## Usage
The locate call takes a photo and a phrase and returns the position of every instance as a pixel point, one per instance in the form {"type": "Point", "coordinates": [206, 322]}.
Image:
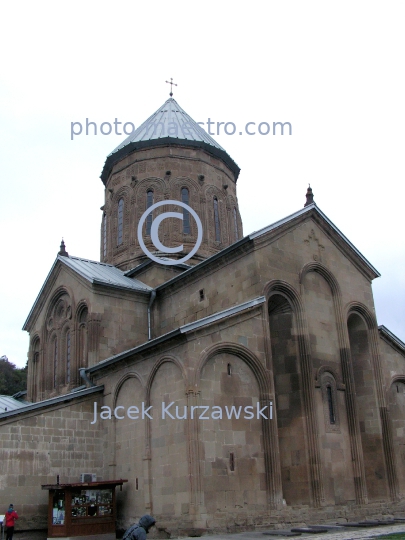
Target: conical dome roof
{"type": "Point", "coordinates": [169, 125]}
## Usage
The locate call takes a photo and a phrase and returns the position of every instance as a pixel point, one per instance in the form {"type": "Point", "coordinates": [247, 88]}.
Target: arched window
{"type": "Point", "coordinates": [35, 351]}
{"type": "Point", "coordinates": [149, 202]}
{"type": "Point", "coordinates": [120, 221]}
{"type": "Point", "coordinates": [105, 234]}
{"type": "Point", "coordinates": [235, 224]}
{"type": "Point", "coordinates": [55, 362]}
{"type": "Point", "coordinates": [186, 213]}
{"type": "Point", "coordinates": [68, 358]}
{"type": "Point", "coordinates": [81, 342]}
{"type": "Point", "coordinates": [216, 220]}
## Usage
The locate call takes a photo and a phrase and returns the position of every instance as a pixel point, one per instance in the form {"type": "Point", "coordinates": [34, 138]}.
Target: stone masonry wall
{"type": "Point", "coordinates": [36, 446]}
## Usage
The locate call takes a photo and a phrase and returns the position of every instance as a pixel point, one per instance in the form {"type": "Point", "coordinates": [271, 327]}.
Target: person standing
{"type": "Point", "coordinates": [11, 516]}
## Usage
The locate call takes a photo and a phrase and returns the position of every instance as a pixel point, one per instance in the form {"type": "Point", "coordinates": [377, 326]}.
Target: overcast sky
{"type": "Point", "coordinates": [334, 70]}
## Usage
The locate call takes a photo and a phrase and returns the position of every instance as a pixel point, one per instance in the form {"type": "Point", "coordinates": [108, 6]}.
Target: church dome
{"type": "Point", "coordinates": [169, 157]}
{"type": "Point", "coordinates": [170, 124]}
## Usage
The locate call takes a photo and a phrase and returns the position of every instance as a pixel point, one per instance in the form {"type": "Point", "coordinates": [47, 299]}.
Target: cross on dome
{"type": "Point", "coordinates": [171, 85]}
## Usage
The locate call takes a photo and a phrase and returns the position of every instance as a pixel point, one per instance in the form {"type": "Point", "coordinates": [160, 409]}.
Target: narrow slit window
{"type": "Point", "coordinates": [332, 418]}
{"type": "Point", "coordinates": [202, 295]}
{"type": "Point", "coordinates": [231, 461]}
{"type": "Point", "coordinates": [216, 221]}
{"type": "Point", "coordinates": [120, 221]}
{"type": "Point", "coordinates": [105, 235]}
{"type": "Point", "coordinates": [149, 203]}
{"type": "Point", "coordinates": [68, 357]}
{"type": "Point", "coordinates": [235, 224]}
{"type": "Point", "coordinates": [186, 213]}
{"type": "Point", "coordinates": [136, 484]}
{"type": "Point", "coordinates": [229, 369]}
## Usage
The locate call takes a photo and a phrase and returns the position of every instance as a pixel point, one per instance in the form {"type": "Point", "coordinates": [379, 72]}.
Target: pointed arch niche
{"type": "Point", "coordinates": [367, 406]}
{"type": "Point", "coordinates": [396, 402]}
{"type": "Point", "coordinates": [321, 293]}
{"type": "Point", "coordinates": [129, 445]}
{"type": "Point", "coordinates": [34, 370]}
{"type": "Point", "coordinates": [288, 390]}
{"type": "Point", "coordinates": [232, 450]}
{"type": "Point", "coordinates": [58, 322]}
{"type": "Point", "coordinates": [169, 471]}
{"type": "Point", "coordinates": [82, 337]}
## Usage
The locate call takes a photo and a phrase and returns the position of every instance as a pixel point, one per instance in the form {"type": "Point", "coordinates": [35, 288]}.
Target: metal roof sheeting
{"type": "Point", "coordinates": [95, 272]}
{"type": "Point", "coordinates": [27, 407]}
{"type": "Point", "coordinates": [8, 403]}
{"type": "Point", "coordinates": [170, 120]}
{"type": "Point", "coordinates": [102, 273]}
{"type": "Point", "coordinates": [169, 125]}
{"type": "Point", "coordinates": [190, 327]}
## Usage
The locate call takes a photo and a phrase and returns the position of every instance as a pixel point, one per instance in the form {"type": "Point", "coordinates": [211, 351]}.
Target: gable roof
{"type": "Point", "coordinates": [317, 212]}
{"type": "Point", "coordinates": [391, 339]}
{"type": "Point", "coordinates": [282, 226]}
{"type": "Point", "coordinates": [96, 273]}
{"type": "Point", "coordinates": [103, 274]}
{"type": "Point", "coordinates": [170, 124]}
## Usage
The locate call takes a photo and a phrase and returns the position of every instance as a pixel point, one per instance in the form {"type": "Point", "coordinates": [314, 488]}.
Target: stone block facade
{"type": "Point", "coordinates": [38, 445]}
{"type": "Point", "coordinates": [308, 345]}
{"type": "Point", "coordinates": [281, 321]}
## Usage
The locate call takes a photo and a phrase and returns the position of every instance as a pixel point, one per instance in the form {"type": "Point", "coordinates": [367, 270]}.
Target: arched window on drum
{"type": "Point", "coordinates": [149, 203]}
{"type": "Point", "coordinates": [235, 224]}
{"type": "Point", "coordinates": [186, 213]}
{"type": "Point", "coordinates": [216, 221]}
{"type": "Point", "coordinates": [120, 222]}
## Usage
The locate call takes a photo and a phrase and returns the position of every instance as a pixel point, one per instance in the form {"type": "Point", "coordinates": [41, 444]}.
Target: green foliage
{"type": "Point", "coordinates": [12, 379]}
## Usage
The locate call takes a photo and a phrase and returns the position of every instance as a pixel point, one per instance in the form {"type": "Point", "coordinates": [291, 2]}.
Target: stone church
{"type": "Point", "coordinates": [245, 386]}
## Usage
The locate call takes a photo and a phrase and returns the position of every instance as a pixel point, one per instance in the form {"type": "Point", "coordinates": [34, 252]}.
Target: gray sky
{"type": "Point", "coordinates": [333, 70]}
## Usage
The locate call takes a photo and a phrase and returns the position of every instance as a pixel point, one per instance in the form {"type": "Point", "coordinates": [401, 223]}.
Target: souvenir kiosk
{"type": "Point", "coordinates": [82, 510]}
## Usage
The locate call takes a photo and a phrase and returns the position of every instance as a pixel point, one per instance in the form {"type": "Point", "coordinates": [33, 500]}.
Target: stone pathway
{"type": "Point", "coordinates": [30, 535]}
{"type": "Point", "coordinates": [345, 534]}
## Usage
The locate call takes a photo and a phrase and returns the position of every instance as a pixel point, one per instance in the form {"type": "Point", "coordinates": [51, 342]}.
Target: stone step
{"type": "Point", "coordinates": [326, 526]}
{"type": "Point", "coordinates": [310, 530]}
{"type": "Point", "coordinates": [281, 532]}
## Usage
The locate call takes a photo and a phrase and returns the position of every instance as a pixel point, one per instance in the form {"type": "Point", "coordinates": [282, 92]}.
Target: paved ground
{"type": "Point", "coordinates": [30, 535]}
{"type": "Point", "coordinates": [346, 534]}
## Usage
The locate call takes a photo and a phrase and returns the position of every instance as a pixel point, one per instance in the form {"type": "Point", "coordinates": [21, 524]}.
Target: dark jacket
{"type": "Point", "coordinates": [139, 530]}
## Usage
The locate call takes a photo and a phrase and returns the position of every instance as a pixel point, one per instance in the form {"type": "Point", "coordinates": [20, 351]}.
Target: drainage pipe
{"type": "Point", "coordinates": [152, 299]}
{"type": "Point", "coordinates": [83, 375]}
